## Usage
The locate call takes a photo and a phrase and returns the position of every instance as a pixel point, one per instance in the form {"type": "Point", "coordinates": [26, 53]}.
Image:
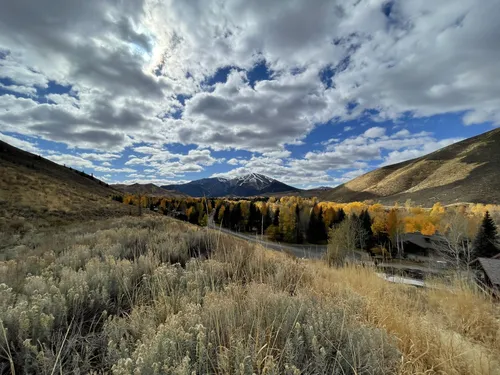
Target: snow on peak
{"type": "Point", "coordinates": [253, 179]}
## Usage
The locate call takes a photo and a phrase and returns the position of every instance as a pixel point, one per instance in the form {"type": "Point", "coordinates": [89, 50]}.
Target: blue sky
{"type": "Point", "coordinates": [167, 91]}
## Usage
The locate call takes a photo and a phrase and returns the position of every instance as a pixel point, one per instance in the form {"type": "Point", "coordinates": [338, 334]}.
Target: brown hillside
{"type": "Point", "coordinates": [148, 189]}
{"type": "Point", "coordinates": [467, 171]}
{"type": "Point", "coordinates": [37, 191]}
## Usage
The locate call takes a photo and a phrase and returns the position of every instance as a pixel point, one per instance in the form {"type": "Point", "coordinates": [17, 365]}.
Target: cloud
{"type": "Point", "coordinates": [261, 118]}
{"type": "Point", "coordinates": [375, 132]}
{"type": "Point", "coordinates": [100, 157]}
{"type": "Point", "coordinates": [411, 153]}
{"type": "Point", "coordinates": [70, 161]}
{"type": "Point", "coordinates": [201, 157]}
{"type": "Point", "coordinates": [19, 143]}
{"type": "Point", "coordinates": [108, 76]}
{"type": "Point", "coordinates": [113, 170]}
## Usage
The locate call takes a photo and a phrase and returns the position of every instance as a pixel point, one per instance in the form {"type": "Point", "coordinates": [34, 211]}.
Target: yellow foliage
{"type": "Point", "coordinates": [378, 225]}
{"type": "Point", "coordinates": [428, 229]}
{"type": "Point", "coordinates": [437, 209]}
{"type": "Point", "coordinates": [374, 208]}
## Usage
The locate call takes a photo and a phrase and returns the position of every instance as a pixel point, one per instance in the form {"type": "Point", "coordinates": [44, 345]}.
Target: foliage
{"type": "Point", "coordinates": [155, 295]}
{"type": "Point", "coordinates": [295, 219]}
{"type": "Point", "coordinates": [485, 241]}
{"type": "Point", "coordinates": [317, 231]}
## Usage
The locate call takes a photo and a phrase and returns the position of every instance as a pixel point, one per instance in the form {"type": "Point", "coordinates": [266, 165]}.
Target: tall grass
{"type": "Point", "coordinates": [153, 295]}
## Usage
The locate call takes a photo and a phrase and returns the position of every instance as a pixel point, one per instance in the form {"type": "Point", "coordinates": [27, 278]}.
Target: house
{"type": "Point", "coordinates": [419, 244]}
{"type": "Point", "coordinates": [487, 271]}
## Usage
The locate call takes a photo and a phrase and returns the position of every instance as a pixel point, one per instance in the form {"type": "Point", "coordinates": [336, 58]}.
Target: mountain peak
{"type": "Point", "coordinates": [246, 185]}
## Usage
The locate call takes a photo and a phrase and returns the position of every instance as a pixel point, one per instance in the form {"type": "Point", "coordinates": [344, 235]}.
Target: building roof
{"type": "Point", "coordinates": [491, 267]}
{"type": "Point", "coordinates": [425, 242]}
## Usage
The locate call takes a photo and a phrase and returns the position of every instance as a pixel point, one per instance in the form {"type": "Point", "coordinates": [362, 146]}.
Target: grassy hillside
{"type": "Point", "coordinates": [125, 296]}
{"type": "Point", "coordinates": [34, 190]}
{"type": "Point", "coordinates": [148, 189]}
{"type": "Point", "coordinates": [467, 171]}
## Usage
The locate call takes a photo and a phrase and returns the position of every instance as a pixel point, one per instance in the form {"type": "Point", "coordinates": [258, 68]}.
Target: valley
{"type": "Point", "coordinates": [116, 278]}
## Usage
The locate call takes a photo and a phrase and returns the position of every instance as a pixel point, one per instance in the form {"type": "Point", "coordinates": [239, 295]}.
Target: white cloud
{"type": "Point", "coordinates": [113, 170]}
{"type": "Point", "coordinates": [375, 132]}
{"type": "Point", "coordinates": [70, 161]}
{"type": "Point", "coordinates": [19, 143]}
{"type": "Point", "coordinates": [135, 73]}
{"type": "Point", "coordinates": [411, 153]}
{"type": "Point", "coordinates": [100, 157]}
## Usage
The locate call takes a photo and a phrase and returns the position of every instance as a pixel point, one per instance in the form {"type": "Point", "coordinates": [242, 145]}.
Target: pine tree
{"type": "Point", "coordinates": [316, 232]}
{"type": "Point", "coordinates": [311, 229]}
{"type": "Point", "coordinates": [236, 217]}
{"type": "Point", "coordinates": [226, 220]}
{"type": "Point", "coordinates": [299, 235]}
{"type": "Point", "coordinates": [339, 217]}
{"type": "Point", "coordinates": [322, 232]}
{"type": "Point", "coordinates": [484, 243]}
{"type": "Point", "coordinates": [367, 232]}
{"type": "Point", "coordinates": [254, 217]}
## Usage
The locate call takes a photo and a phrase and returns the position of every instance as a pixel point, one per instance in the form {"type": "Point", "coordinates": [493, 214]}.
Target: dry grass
{"type": "Point", "coordinates": [153, 295]}
{"type": "Point", "coordinates": [465, 171]}
{"type": "Point", "coordinates": [29, 200]}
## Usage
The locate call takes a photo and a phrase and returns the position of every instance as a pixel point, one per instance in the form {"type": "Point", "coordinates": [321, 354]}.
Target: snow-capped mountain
{"type": "Point", "coordinates": [248, 185]}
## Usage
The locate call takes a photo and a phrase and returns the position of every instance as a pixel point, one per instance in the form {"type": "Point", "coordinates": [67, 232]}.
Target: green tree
{"type": "Point", "coordinates": [254, 217]}
{"type": "Point", "coordinates": [316, 232]}
{"type": "Point", "coordinates": [236, 217]}
{"type": "Point", "coordinates": [339, 216]}
{"type": "Point", "coordinates": [485, 241]}
{"type": "Point", "coordinates": [367, 233]}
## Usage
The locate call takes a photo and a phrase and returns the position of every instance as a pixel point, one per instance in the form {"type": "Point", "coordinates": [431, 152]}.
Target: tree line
{"type": "Point", "coordinates": [462, 232]}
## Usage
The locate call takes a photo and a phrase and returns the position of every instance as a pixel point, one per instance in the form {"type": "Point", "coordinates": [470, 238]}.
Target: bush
{"type": "Point", "coordinates": [154, 295]}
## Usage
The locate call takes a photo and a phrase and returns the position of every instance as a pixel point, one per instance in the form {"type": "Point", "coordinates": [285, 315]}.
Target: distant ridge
{"type": "Point", "coordinates": [148, 189]}
{"type": "Point", "coordinates": [467, 171]}
{"type": "Point", "coordinates": [249, 185]}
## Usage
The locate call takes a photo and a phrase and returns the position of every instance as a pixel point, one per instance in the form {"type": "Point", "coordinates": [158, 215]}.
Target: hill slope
{"type": "Point", "coordinates": [467, 171]}
{"type": "Point", "coordinates": [147, 189]}
{"type": "Point", "coordinates": [33, 188]}
{"type": "Point", "coordinates": [249, 185]}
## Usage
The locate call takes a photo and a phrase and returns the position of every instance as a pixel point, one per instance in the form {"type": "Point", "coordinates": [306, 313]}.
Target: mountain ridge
{"type": "Point", "coordinates": [466, 171]}
{"type": "Point", "coordinates": [38, 191]}
{"type": "Point", "coordinates": [147, 189]}
{"type": "Point", "coordinates": [251, 184]}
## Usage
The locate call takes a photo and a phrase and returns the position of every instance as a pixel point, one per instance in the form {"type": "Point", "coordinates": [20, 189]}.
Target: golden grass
{"type": "Point", "coordinates": [105, 296]}
{"type": "Point", "coordinates": [442, 330]}
{"type": "Point", "coordinates": [31, 199]}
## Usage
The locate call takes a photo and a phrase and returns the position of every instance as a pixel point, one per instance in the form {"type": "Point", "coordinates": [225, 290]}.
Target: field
{"type": "Point", "coordinates": [154, 295]}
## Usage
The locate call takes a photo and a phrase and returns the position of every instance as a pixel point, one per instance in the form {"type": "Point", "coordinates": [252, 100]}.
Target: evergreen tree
{"type": "Point", "coordinates": [366, 234]}
{"type": "Point", "coordinates": [226, 220]}
{"type": "Point", "coordinates": [236, 217]}
{"type": "Point", "coordinates": [311, 229]}
{"type": "Point", "coordinates": [339, 217]}
{"type": "Point", "coordinates": [322, 232]}
{"type": "Point", "coordinates": [316, 231]}
{"type": "Point", "coordinates": [299, 235]}
{"type": "Point", "coordinates": [254, 218]}
{"type": "Point", "coordinates": [266, 218]}
{"type": "Point", "coordinates": [485, 241]}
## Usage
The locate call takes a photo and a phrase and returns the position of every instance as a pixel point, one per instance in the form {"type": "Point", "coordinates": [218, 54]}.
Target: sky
{"type": "Point", "coordinates": [310, 93]}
